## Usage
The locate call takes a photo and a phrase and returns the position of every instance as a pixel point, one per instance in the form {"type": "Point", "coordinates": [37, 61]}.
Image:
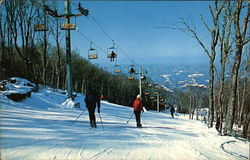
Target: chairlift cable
{"type": "Point", "coordinates": [91, 41]}
{"type": "Point", "coordinates": [101, 27]}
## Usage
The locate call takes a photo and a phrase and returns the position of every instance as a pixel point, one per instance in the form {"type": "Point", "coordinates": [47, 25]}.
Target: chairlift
{"type": "Point", "coordinates": [92, 53]}
{"type": "Point", "coordinates": [131, 77]}
{"type": "Point", "coordinates": [112, 52]}
{"type": "Point", "coordinates": [156, 91]}
{"type": "Point", "coordinates": [152, 96]}
{"type": "Point", "coordinates": [147, 92]}
{"type": "Point", "coordinates": [69, 26]}
{"type": "Point", "coordinates": [40, 27]}
{"type": "Point", "coordinates": [117, 68]}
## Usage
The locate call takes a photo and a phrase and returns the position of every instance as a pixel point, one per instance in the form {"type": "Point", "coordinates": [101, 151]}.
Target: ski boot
{"type": "Point", "coordinates": [139, 126]}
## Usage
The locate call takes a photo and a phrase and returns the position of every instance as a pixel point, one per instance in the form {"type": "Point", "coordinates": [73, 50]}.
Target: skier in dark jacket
{"type": "Point", "coordinates": [172, 110]}
{"type": "Point", "coordinates": [137, 105]}
{"type": "Point", "coordinates": [91, 99]}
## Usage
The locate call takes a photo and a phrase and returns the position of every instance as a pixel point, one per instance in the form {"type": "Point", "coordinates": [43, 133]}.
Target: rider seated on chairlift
{"type": "Point", "coordinates": [112, 57]}
{"type": "Point", "coordinates": [132, 70]}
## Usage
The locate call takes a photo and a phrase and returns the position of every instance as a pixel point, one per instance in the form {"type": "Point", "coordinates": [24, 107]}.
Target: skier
{"type": "Point", "coordinates": [172, 110]}
{"type": "Point", "coordinates": [91, 100]}
{"type": "Point", "coordinates": [137, 105]}
{"type": "Point", "coordinates": [102, 97]}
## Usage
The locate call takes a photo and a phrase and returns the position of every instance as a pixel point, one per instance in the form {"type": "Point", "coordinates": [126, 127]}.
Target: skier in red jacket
{"type": "Point", "coordinates": [137, 105]}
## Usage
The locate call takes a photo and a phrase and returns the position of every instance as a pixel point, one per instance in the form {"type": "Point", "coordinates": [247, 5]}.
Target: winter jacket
{"type": "Point", "coordinates": [137, 105]}
{"type": "Point", "coordinates": [172, 109]}
{"type": "Point", "coordinates": [91, 100]}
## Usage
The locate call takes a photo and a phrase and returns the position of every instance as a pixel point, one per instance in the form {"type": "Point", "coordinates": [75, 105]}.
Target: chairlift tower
{"type": "Point", "coordinates": [68, 50]}
{"type": "Point", "coordinates": [140, 91]}
{"type": "Point", "coordinates": [67, 27]}
{"type": "Point", "coordinates": [158, 103]}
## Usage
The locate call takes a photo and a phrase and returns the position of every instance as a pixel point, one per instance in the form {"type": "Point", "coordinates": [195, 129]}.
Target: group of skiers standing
{"type": "Point", "coordinates": [92, 99]}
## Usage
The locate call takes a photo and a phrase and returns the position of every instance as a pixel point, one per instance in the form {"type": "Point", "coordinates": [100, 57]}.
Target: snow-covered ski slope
{"type": "Point", "coordinates": [41, 128]}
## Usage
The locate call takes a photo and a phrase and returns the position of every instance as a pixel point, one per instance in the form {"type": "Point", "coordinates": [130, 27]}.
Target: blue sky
{"type": "Point", "coordinates": [133, 26]}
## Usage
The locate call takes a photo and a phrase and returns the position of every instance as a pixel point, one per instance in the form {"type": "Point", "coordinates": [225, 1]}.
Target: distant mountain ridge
{"type": "Point", "coordinates": [171, 75]}
{"type": "Point", "coordinates": [179, 76]}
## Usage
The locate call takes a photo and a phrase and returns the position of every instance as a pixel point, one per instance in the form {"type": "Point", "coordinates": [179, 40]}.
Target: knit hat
{"type": "Point", "coordinates": [138, 96]}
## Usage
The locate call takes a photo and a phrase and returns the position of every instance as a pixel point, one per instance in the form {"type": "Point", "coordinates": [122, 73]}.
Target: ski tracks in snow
{"type": "Point", "coordinates": [153, 148]}
{"type": "Point", "coordinates": [81, 151]}
{"type": "Point", "coordinates": [231, 152]}
{"type": "Point", "coordinates": [107, 150]}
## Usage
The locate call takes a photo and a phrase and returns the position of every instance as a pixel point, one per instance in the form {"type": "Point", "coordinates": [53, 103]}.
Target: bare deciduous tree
{"type": "Point", "coordinates": [241, 39]}
{"type": "Point", "coordinates": [225, 49]}
{"type": "Point", "coordinates": [214, 31]}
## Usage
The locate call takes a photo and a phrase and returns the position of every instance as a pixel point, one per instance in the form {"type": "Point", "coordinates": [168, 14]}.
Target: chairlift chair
{"type": "Point", "coordinates": [69, 26]}
{"type": "Point", "coordinates": [117, 68]}
{"type": "Point", "coordinates": [131, 77]}
{"type": "Point", "coordinates": [147, 92]}
{"type": "Point", "coordinates": [152, 96]}
{"type": "Point", "coordinates": [155, 91]}
{"type": "Point", "coordinates": [112, 52]}
{"type": "Point", "coordinates": [92, 53]}
{"type": "Point", "coordinates": [40, 27]}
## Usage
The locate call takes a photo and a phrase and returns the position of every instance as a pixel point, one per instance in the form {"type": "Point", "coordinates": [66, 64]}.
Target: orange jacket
{"type": "Point", "coordinates": [137, 105]}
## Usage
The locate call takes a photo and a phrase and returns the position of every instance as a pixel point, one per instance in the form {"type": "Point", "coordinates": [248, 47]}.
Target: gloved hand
{"type": "Point", "coordinates": [98, 110]}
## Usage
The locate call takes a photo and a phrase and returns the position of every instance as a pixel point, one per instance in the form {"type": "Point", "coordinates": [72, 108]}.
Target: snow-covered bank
{"type": "Point", "coordinates": [41, 128]}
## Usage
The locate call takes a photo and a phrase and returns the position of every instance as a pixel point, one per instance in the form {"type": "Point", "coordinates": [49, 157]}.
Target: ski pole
{"type": "Point", "coordinates": [101, 120]}
{"type": "Point", "coordinates": [142, 114]}
{"type": "Point", "coordinates": [130, 117]}
{"type": "Point", "coordinates": [78, 117]}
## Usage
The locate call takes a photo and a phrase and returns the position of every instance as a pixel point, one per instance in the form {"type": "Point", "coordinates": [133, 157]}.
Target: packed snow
{"type": "Point", "coordinates": [166, 76]}
{"type": "Point", "coordinates": [40, 127]}
{"type": "Point", "coordinates": [194, 85]}
{"type": "Point", "coordinates": [179, 72]}
{"type": "Point", "coordinates": [196, 75]}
